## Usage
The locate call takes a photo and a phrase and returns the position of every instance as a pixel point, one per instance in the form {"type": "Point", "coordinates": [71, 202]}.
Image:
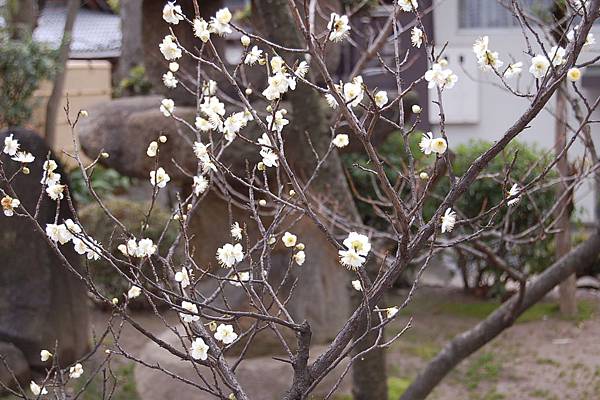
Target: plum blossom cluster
{"type": "Point", "coordinates": [440, 76]}
{"type": "Point", "coordinates": [429, 144]}
{"type": "Point", "coordinates": [70, 231]}
{"type": "Point", "coordinates": [486, 58]}
{"type": "Point", "coordinates": [356, 252]}
{"type": "Point", "coordinates": [291, 241]}
{"type": "Point", "coordinates": [140, 249]}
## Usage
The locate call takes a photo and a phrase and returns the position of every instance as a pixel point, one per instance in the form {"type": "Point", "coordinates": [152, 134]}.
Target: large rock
{"type": "Point", "coordinates": [13, 367]}
{"type": "Point", "coordinates": [125, 127]}
{"type": "Point", "coordinates": [42, 303]}
{"type": "Point", "coordinates": [263, 378]}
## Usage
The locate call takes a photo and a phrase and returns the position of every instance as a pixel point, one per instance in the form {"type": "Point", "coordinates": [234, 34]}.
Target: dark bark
{"type": "Point", "coordinates": [54, 101]}
{"type": "Point", "coordinates": [470, 341]}
{"type": "Point", "coordinates": [22, 18]}
{"type": "Point", "coordinates": [310, 118]}
{"type": "Point", "coordinates": [131, 43]}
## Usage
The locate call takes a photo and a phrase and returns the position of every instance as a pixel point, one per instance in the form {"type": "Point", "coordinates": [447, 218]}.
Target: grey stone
{"type": "Point", "coordinates": [262, 377]}
{"type": "Point", "coordinates": [42, 303]}
{"type": "Point", "coordinates": [13, 366]}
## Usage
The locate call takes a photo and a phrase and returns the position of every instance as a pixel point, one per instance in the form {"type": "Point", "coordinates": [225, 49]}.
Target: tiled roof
{"type": "Point", "coordinates": [95, 35]}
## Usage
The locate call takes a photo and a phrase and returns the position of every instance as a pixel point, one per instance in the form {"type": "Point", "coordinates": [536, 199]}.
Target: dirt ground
{"type": "Point", "coordinates": [543, 356]}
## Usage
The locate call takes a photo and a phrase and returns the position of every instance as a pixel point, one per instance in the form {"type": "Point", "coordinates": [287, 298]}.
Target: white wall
{"type": "Point", "coordinates": [497, 109]}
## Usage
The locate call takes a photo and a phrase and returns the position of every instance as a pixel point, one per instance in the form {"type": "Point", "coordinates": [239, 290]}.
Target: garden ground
{"type": "Point", "coordinates": [543, 356]}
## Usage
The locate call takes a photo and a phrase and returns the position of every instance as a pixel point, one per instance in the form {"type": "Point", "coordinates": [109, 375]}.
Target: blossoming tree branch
{"type": "Point", "coordinates": [291, 58]}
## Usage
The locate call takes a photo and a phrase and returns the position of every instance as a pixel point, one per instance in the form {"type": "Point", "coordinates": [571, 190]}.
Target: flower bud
{"type": "Point", "coordinates": [423, 175]}
{"type": "Point", "coordinates": [162, 139]}
{"type": "Point", "coordinates": [262, 202]}
{"type": "Point", "coordinates": [25, 170]}
{"type": "Point", "coordinates": [416, 109]}
{"type": "Point", "coordinates": [245, 41]}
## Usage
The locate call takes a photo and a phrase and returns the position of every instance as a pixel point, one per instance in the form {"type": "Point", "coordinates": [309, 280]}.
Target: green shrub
{"type": "Point", "coordinates": [134, 84]}
{"type": "Point", "coordinates": [23, 65]}
{"type": "Point", "coordinates": [105, 181]}
{"type": "Point", "coordinates": [482, 195]}
{"type": "Point", "coordinates": [131, 214]}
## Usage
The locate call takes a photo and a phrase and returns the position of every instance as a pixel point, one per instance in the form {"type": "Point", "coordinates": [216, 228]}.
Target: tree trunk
{"type": "Point", "coordinates": [131, 42]}
{"type": "Point", "coordinates": [568, 288]}
{"type": "Point", "coordinates": [22, 18]}
{"type": "Point", "coordinates": [310, 117]}
{"type": "Point", "coordinates": [54, 101]}
{"type": "Point", "coordinates": [472, 340]}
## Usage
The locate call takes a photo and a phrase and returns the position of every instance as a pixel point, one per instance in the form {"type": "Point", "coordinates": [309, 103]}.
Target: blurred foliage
{"type": "Point", "coordinates": [23, 65]}
{"type": "Point", "coordinates": [122, 377]}
{"type": "Point", "coordinates": [135, 84]}
{"type": "Point", "coordinates": [105, 181]}
{"type": "Point", "coordinates": [107, 278]}
{"type": "Point", "coordinates": [114, 5]}
{"type": "Point", "coordinates": [481, 196]}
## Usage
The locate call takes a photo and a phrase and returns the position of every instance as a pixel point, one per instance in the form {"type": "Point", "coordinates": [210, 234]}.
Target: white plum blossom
{"type": "Point", "coordinates": [134, 292]}
{"type": "Point", "coordinates": [76, 371]}
{"type": "Point", "coordinates": [487, 59]}
{"type": "Point", "coordinates": [430, 145]}
{"type": "Point", "coordinates": [358, 242]}
{"type": "Point", "coordinates": [37, 389]}
{"type": "Point", "coordinates": [331, 101]}
{"type": "Point", "coordinates": [167, 106]}
{"type": "Point", "coordinates": [448, 220]}
{"type": "Point", "coordinates": [381, 98]}
{"type": "Point", "coordinates": [514, 191]}
{"type": "Point", "coordinates": [230, 254]}
{"type": "Point", "coordinates": [539, 66]}
{"type": "Point", "coordinates": [45, 355]}
{"type": "Point", "coordinates": [233, 124]}
{"type": "Point", "coordinates": [441, 77]}
{"type": "Point", "coordinates": [278, 85]}
{"type": "Point", "coordinates": [390, 312]}
{"type": "Point", "coordinates": [183, 277]}
{"type": "Point", "coordinates": [199, 349]}
{"type": "Point", "coordinates": [557, 55]}
{"type": "Point", "coordinates": [143, 248]}
{"type": "Point", "coordinates": [169, 49]}
{"type": "Point", "coordinates": [159, 177]}
{"type": "Point", "coordinates": [351, 259]}
{"type": "Point", "coordinates": [357, 248]}
{"type": "Point", "coordinates": [219, 24]}
{"type": "Point", "coordinates": [11, 146]}
{"type": "Point", "coordinates": [238, 277]}
{"type": "Point", "coordinates": [253, 56]}
{"type": "Point", "coordinates": [357, 285]}
{"type": "Point", "coordinates": [589, 40]}
{"type": "Point", "coordinates": [192, 312]}
{"type": "Point", "coordinates": [277, 123]}
{"type": "Point", "coordinates": [299, 257]}
{"type": "Point", "coordinates": [341, 140]}
{"type": "Point", "coordinates": [212, 106]}
{"type": "Point", "coordinates": [236, 231]}
{"type": "Point", "coordinates": [152, 149]}
{"type": "Point", "coordinates": [173, 66]}
{"type": "Point", "coordinates": [55, 192]}
{"type": "Point", "coordinates": [339, 27]}
{"type": "Point", "coordinates": [269, 158]}
{"type": "Point", "coordinates": [416, 37]}
{"type": "Point", "coordinates": [353, 91]}
{"type": "Point", "coordinates": [225, 334]}
{"type": "Point", "coordinates": [170, 80]}
{"type": "Point", "coordinates": [245, 40]}
{"type": "Point", "coordinates": [172, 13]}
{"type": "Point", "coordinates": [49, 177]}
{"type": "Point", "coordinates": [574, 74]}
{"type": "Point", "coordinates": [200, 184]}
{"type": "Point", "coordinates": [408, 5]}
{"type": "Point", "coordinates": [289, 239]}
{"type": "Point", "coordinates": [301, 69]}
{"type": "Point", "coordinates": [513, 69]}
{"type": "Point", "coordinates": [201, 29]}
{"type": "Point", "coordinates": [58, 233]}
{"type": "Point", "coordinates": [23, 157]}
{"type": "Point", "coordinates": [277, 64]}
{"type": "Point", "coordinates": [203, 125]}
{"type": "Point", "coordinates": [9, 204]}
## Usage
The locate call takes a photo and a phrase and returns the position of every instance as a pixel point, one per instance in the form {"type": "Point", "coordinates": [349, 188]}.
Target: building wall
{"type": "Point", "coordinates": [478, 109]}
{"type": "Point", "coordinates": [87, 82]}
